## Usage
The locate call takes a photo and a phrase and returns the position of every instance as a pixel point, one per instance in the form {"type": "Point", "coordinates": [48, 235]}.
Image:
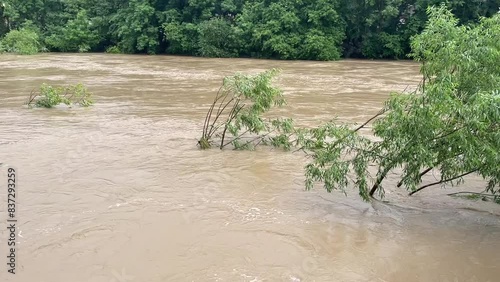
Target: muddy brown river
{"type": "Point", "coordinates": [119, 192]}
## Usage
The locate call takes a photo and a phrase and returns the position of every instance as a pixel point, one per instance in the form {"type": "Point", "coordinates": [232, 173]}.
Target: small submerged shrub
{"type": "Point", "coordinates": [237, 114]}
{"type": "Point", "coordinates": [474, 196]}
{"type": "Point", "coordinates": [113, 50]}
{"type": "Point", "coordinates": [50, 96]}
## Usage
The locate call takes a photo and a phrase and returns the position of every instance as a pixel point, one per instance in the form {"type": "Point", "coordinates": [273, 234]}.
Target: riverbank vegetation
{"type": "Point", "coordinates": [24, 41]}
{"type": "Point", "coordinates": [50, 96]}
{"type": "Point", "coordinates": [449, 125]}
{"type": "Point", "coordinates": [280, 29]}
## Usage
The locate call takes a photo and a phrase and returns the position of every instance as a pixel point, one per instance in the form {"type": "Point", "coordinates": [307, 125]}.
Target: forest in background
{"type": "Point", "coordinates": [277, 29]}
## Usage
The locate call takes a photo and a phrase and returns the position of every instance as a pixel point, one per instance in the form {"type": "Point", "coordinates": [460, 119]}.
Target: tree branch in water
{"type": "Point", "coordinates": [443, 181]}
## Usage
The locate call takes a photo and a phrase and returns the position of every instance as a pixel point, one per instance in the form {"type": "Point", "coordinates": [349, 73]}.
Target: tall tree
{"type": "Point", "coordinates": [78, 34]}
{"type": "Point", "coordinates": [135, 27]}
{"type": "Point", "coordinates": [4, 21]}
{"type": "Point", "coordinates": [288, 29]}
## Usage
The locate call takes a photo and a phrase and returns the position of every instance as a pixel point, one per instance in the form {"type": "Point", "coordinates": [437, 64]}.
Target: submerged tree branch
{"type": "Point", "coordinates": [443, 181]}
{"type": "Point", "coordinates": [234, 139]}
{"type": "Point", "coordinates": [210, 111]}
{"type": "Point", "coordinates": [381, 112]}
{"type": "Point", "coordinates": [473, 193]}
{"type": "Point", "coordinates": [214, 128]}
{"type": "Point", "coordinates": [32, 97]}
{"type": "Point", "coordinates": [232, 114]}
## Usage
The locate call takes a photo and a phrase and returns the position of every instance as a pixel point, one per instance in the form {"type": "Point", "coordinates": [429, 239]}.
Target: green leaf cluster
{"type": "Point", "coordinates": [237, 115]}
{"type": "Point", "coordinates": [281, 29]}
{"type": "Point", "coordinates": [449, 125]}
{"type": "Point", "coordinates": [135, 27]}
{"type": "Point", "coordinates": [113, 50]}
{"type": "Point", "coordinates": [292, 29]}
{"type": "Point", "coordinates": [78, 35]}
{"type": "Point", "coordinates": [50, 96]}
{"type": "Point", "coordinates": [25, 41]}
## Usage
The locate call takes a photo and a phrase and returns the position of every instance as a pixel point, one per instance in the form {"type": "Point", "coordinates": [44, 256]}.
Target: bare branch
{"type": "Point", "coordinates": [381, 112]}
{"type": "Point", "coordinates": [209, 113]}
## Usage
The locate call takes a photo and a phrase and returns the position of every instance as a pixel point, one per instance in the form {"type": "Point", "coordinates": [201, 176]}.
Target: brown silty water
{"type": "Point", "coordinates": [120, 192]}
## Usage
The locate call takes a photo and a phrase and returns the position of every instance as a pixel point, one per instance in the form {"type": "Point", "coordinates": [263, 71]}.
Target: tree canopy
{"type": "Point", "coordinates": [281, 29]}
{"type": "Point", "coordinates": [450, 124]}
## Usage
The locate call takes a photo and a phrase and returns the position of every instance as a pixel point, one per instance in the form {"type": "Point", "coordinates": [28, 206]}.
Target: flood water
{"type": "Point", "coordinates": [120, 192]}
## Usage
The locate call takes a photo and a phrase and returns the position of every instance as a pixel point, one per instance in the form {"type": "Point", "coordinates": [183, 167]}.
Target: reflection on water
{"type": "Point", "coordinates": [119, 191]}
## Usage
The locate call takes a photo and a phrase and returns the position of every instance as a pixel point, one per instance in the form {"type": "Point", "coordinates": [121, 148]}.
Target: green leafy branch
{"type": "Point", "coordinates": [49, 96]}
{"type": "Point", "coordinates": [236, 116]}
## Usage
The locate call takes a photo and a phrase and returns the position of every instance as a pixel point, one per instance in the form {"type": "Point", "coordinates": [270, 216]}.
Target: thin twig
{"type": "Point", "coordinates": [235, 138]}
{"type": "Point", "coordinates": [209, 113]}
{"type": "Point", "coordinates": [213, 128]}
{"type": "Point", "coordinates": [32, 97]}
{"type": "Point", "coordinates": [474, 193]}
{"type": "Point", "coordinates": [261, 137]}
{"type": "Point", "coordinates": [72, 94]}
{"type": "Point", "coordinates": [219, 111]}
{"type": "Point", "coordinates": [381, 112]}
{"type": "Point", "coordinates": [234, 111]}
{"type": "Point", "coordinates": [448, 134]}
{"type": "Point", "coordinates": [433, 166]}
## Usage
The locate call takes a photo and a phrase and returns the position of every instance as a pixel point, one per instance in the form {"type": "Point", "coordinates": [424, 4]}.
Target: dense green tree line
{"type": "Point", "coordinates": [282, 29]}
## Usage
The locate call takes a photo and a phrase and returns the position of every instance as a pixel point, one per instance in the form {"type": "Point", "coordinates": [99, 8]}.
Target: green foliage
{"type": "Point", "coordinates": [374, 27]}
{"type": "Point", "coordinates": [236, 115]}
{"type": "Point", "coordinates": [383, 28]}
{"type": "Point", "coordinates": [217, 38]}
{"type": "Point", "coordinates": [182, 37]}
{"type": "Point", "coordinates": [450, 124]}
{"type": "Point", "coordinates": [477, 196]}
{"type": "Point", "coordinates": [282, 29]}
{"type": "Point", "coordinates": [24, 41]}
{"type": "Point", "coordinates": [271, 28]}
{"type": "Point", "coordinates": [336, 150]}
{"type": "Point", "coordinates": [135, 27]}
{"type": "Point", "coordinates": [292, 29]}
{"type": "Point", "coordinates": [77, 35]}
{"type": "Point", "coordinates": [50, 96]}
{"type": "Point", "coordinates": [113, 50]}
{"type": "Point", "coordinates": [4, 28]}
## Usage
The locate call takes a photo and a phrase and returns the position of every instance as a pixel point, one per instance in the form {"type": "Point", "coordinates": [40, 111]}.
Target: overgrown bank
{"type": "Point", "coordinates": [282, 29]}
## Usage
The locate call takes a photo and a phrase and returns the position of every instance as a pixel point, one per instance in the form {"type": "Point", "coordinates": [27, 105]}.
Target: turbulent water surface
{"type": "Point", "coordinates": [119, 191]}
